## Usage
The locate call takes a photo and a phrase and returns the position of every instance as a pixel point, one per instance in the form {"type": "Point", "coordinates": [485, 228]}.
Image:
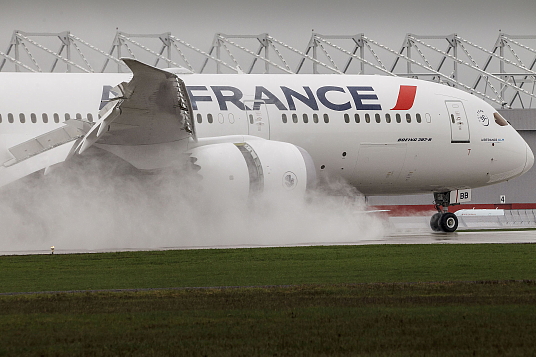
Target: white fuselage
{"type": "Point", "coordinates": [379, 137]}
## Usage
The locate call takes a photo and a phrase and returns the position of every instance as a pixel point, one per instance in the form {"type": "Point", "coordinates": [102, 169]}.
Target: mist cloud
{"type": "Point", "coordinates": [100, 203]}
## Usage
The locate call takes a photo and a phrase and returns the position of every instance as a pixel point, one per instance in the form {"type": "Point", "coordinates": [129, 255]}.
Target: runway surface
{"type": "Point", "coordinates": [407, 236]}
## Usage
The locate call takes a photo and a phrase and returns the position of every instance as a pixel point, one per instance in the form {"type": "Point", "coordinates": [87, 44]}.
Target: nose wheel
{"type": "Point", "coordinates": [434, 222]}
{"type": "Point", "coordinates": [443, 221]}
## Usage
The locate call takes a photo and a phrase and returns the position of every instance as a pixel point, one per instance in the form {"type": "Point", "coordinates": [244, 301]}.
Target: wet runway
{"type": "Point", "coordinates": [461, 237]}
{"type": "Point", "coordinates": [407, 236]}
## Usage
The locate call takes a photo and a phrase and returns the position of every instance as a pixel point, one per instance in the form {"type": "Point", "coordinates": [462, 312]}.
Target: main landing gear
{"type": "Point", "coordinates": [443, 220]}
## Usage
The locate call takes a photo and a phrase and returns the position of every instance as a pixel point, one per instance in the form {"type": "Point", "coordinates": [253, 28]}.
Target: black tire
{"type": "Point", "coordinates": [448, 222]}
{"type": "Point", "coordinates": [434, 222]}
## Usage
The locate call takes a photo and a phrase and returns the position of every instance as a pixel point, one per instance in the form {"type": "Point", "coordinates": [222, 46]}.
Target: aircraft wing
{"type": "Point", "coordinates": [152, 108]}
{"type": "Point", "coordinates": [43, 151]}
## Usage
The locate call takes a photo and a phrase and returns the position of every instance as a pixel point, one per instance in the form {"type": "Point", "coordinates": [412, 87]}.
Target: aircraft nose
{"type": "Point", "coordinates": [529, 160]}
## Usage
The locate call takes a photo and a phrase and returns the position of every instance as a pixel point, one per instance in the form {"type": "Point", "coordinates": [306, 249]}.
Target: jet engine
{"type": "Point", "coordinates": [248, 169]}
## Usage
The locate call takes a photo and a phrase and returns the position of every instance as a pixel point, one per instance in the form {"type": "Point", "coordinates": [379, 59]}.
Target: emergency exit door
{"type": "Point", "coordinates": [257, 116]}
{"type": "Point", "coordinates": [459, 126]}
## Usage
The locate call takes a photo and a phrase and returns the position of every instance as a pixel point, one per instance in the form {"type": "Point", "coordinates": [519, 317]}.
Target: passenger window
{"type": "Point", "coordinates": [408, 118]}
{"type": "Point", "coordinates": [10, 118]}
{"type": "Point", "coordinates": [315, 118]}
{"type": "Point", "coordinates": [67, 116]}
{"type": "Point", "coordinates": [305, 118]}
{"type": "Point", "coordinates": [294, 118]}
{"type": "Point", "coordinates": [56, 118]}
{"type": "Point", "coordinates": [90, 117]}
{"type": "Point", "coordinates": [33, 118]}
{"type": "Point", "coordinates": [199, 118]}
{"type": "Point", "coordinates": [428, 117]}
{"type": "Point", "coordinates": [210, 119]}
{"type": "Point", "coordinates": [78, 116]}
{"type": "Point", "coordinates": [251, 118]}
{"type": "Point", "coordinates": [45, 118]}
{"type": "Point", "coordinates": [356, 118]}
{"type": "Point", "coordinates": [326, 118]}
{"type": "Point", "coordinates": [284, 117]}
{"type": "Point", "coordinates": [367, 118]}
{"type": "Point", "coordinates": [387, 118]}
{"type": "Point", "coordinates": [454, 120]}
{"type": "Point", "coordinates": [0, 118]}
{"type": "Point", "coordinates": [346, 118]}
{"type": "Point", "coordinates": [398, 119]}
{"type": "Point", "coordinates": [22, 118]}
{"type": "Point", "coordinates": [378, 118]}
{"type": "Point", "coordinates": [418, 116]}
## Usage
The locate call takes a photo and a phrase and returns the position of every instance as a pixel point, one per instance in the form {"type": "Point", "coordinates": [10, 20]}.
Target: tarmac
{"type": "Point", "coordinates": [401, 230]}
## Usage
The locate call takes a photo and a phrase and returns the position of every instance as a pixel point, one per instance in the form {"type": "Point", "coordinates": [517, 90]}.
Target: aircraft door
{"type": "Point", "coordinates": [257, 117]}
{"type": "Point", "coordinates": [459, 126]}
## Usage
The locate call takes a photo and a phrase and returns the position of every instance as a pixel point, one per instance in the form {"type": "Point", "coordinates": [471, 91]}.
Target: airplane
{"type": "Point", "coordinates": [266, 133]}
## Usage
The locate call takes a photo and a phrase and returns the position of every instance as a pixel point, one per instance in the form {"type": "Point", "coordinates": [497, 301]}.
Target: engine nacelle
{"type": "Point", "coordinates": [254, 167]}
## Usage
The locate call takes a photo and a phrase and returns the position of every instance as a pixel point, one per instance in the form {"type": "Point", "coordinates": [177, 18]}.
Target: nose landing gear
{"type": "Point", "coordinates": [443, 220]}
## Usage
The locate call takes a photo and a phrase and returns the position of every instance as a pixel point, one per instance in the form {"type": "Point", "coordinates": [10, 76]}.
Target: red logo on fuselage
{"type": "Point", "coordinates": [406, 97]}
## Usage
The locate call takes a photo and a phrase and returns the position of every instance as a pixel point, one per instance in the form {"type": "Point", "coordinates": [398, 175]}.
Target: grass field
{"type": "Point", "coordinates": [445, 300]}
{"type": "Point", "coordinates": [268, 266]}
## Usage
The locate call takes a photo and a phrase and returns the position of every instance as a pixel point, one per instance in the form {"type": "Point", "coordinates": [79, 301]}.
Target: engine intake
{"type": "Point", "coordinates": [254, 167]}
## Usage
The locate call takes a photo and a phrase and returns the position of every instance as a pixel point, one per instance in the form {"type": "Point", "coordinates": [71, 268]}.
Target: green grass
{"type": "Point", "coordinates": [445, 319]}
{"type": "Point", "coordinates": [268, 266]}
{"type": "Point", "coordinates": [392, 300]}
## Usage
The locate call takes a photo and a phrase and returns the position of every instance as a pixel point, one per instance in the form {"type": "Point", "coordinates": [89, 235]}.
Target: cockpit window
{"type": "Point", "coordinates": [499, 119]}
